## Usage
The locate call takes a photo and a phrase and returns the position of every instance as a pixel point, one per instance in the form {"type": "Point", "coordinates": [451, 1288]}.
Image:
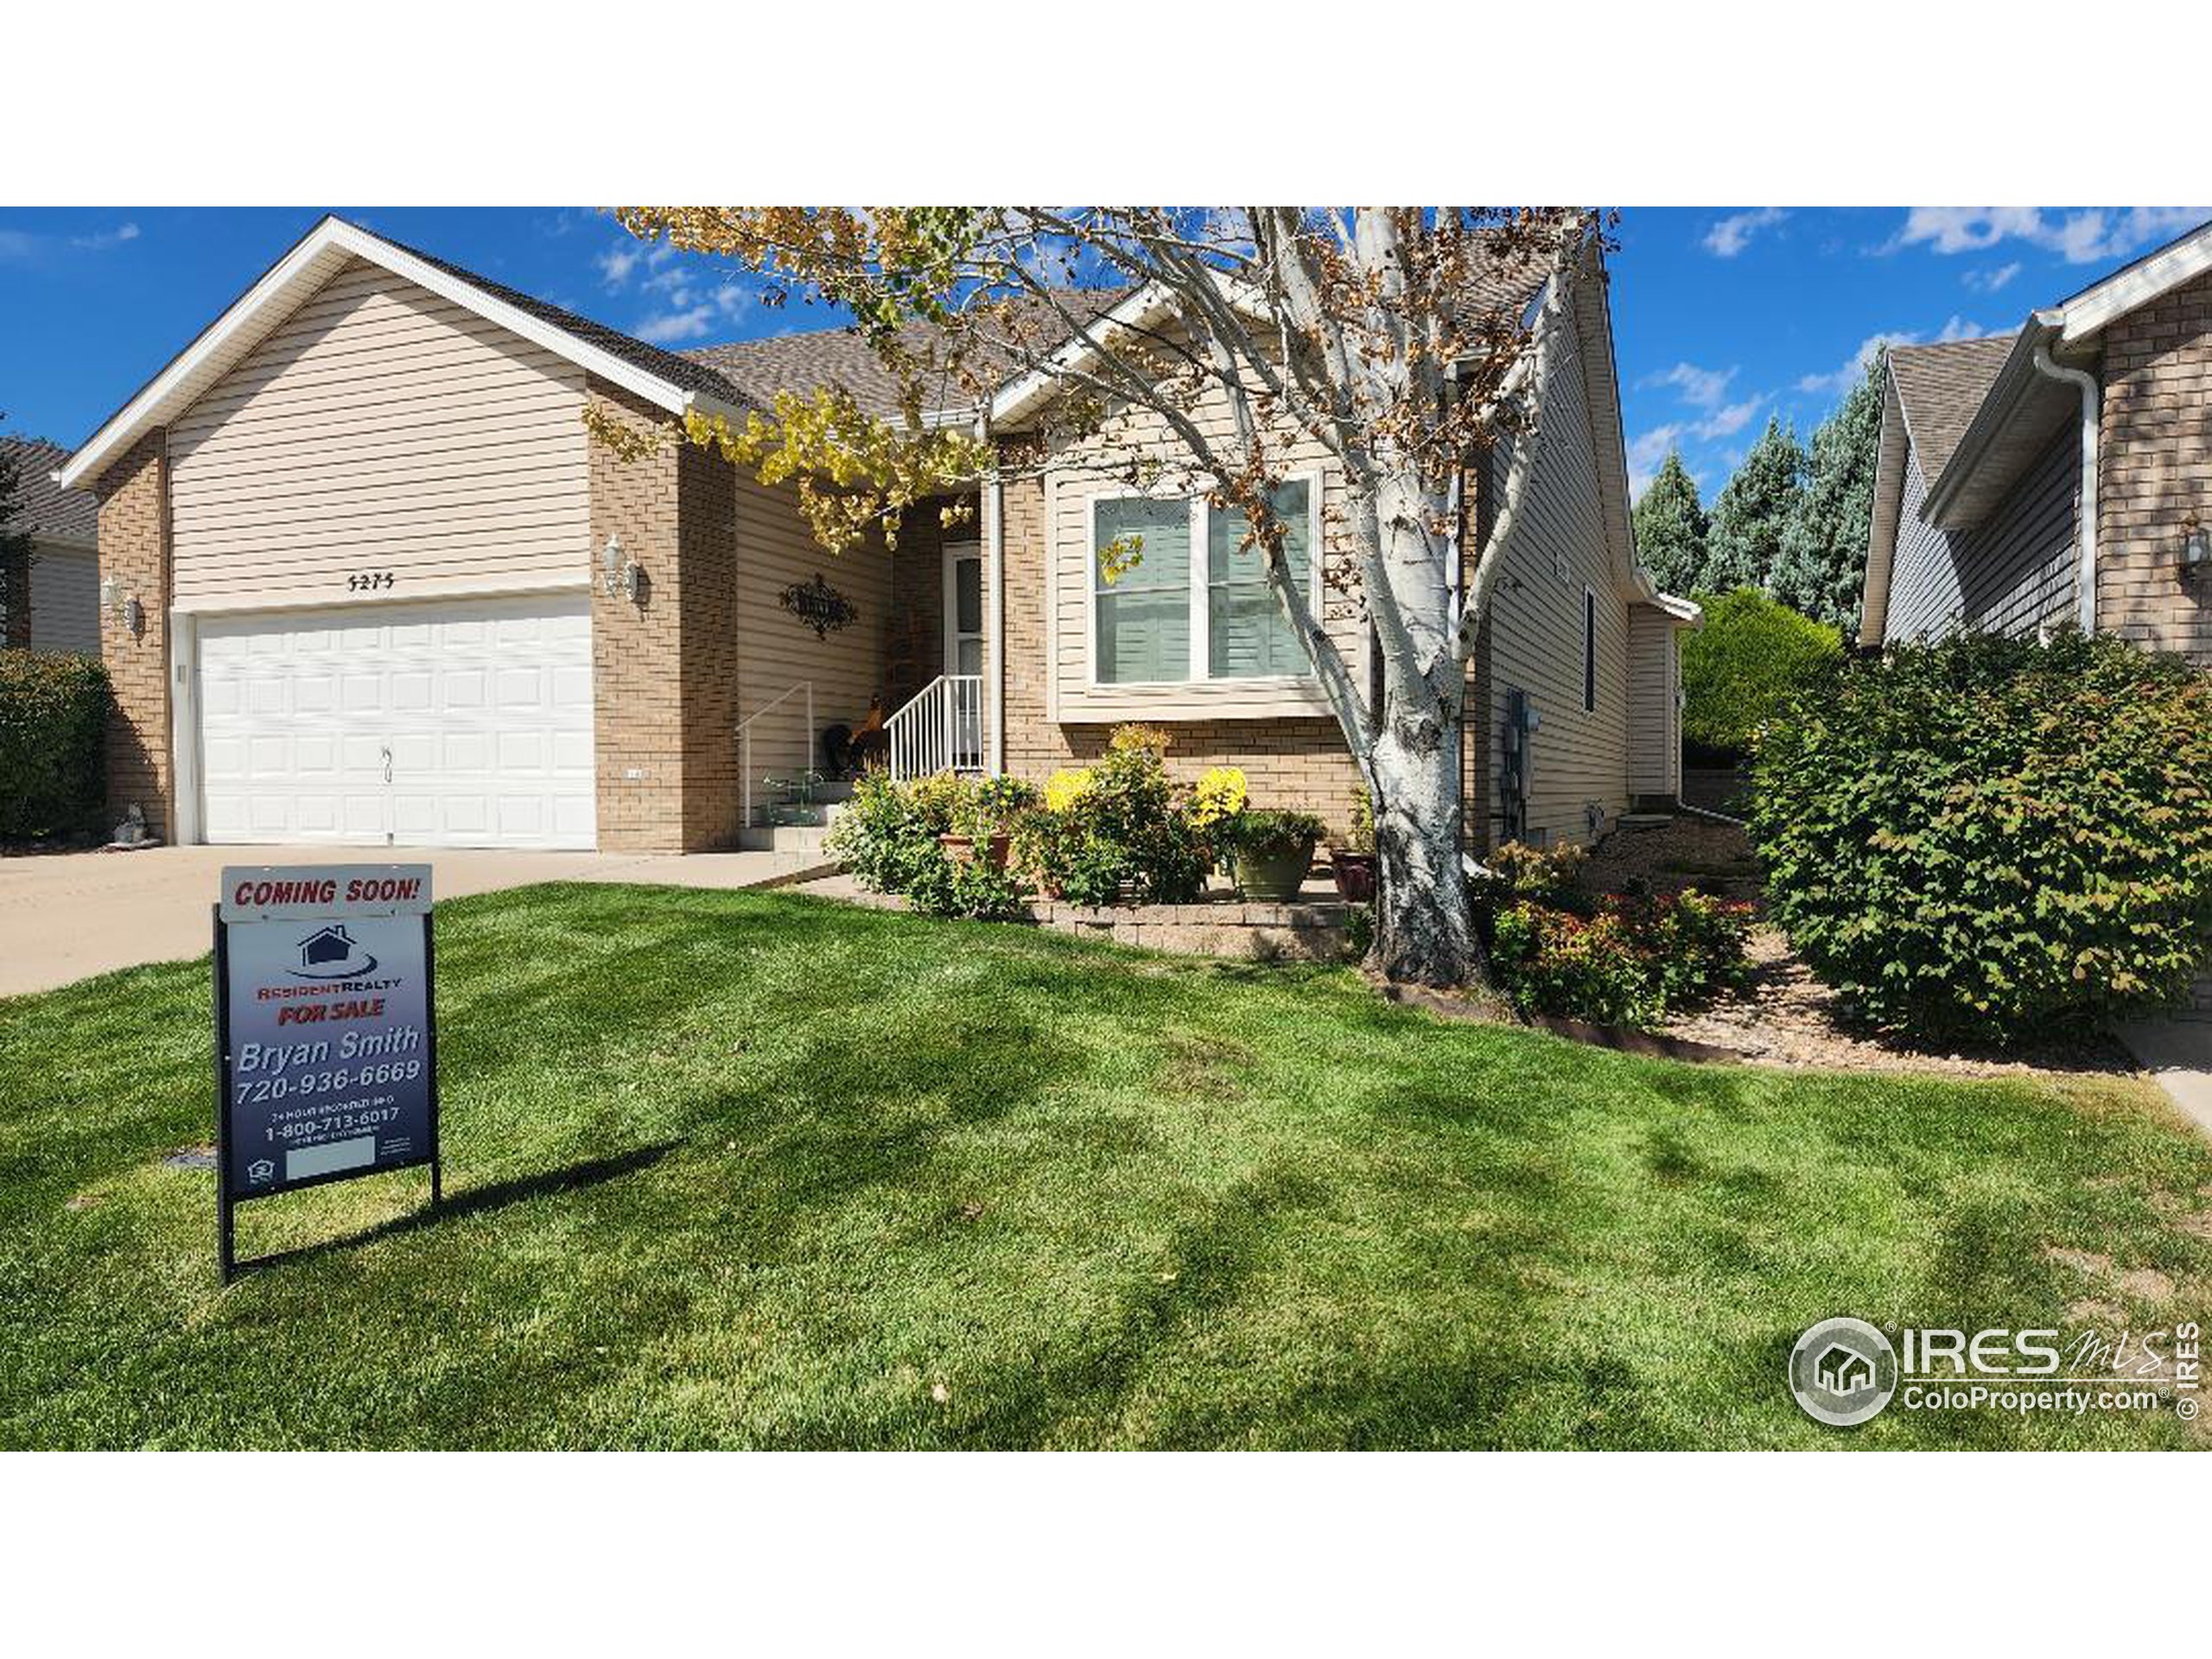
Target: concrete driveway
{"type": "Point", "coordinates": [67, 915]}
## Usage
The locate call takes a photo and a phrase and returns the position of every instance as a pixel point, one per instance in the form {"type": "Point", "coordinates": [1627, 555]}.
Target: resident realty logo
{"type": "Point", "coordinates": [1845, 1371]}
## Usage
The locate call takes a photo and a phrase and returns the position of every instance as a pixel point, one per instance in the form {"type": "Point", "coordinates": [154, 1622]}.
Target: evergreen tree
{"type": "Point", "coordinates": [1752, 512]}
{"type": "Point", "coordinates": [14, 553]}
{"type": "Point", "coordinates": [1823, 562]}
{"type": "Point", "coordinates": [1671, 526]}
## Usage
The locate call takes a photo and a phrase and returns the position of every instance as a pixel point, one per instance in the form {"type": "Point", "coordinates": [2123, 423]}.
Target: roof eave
{"type": "Point", "coordinates": [2015, 379]}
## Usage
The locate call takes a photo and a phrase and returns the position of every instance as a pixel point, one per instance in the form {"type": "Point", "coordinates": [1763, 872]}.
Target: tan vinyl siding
{"type": "Point", "coordinates": [776, 650]}
{"type": "Point", "coordinates": [65, 599]}
{"type": "Point", "coordinates": [1576, 758]}
{"type": "Point", "coordinates": [1070, 494]}
{"type": "Point", "coordinates": [380, 428]}
{"type": "Point", "coordinates": [1654, 714]}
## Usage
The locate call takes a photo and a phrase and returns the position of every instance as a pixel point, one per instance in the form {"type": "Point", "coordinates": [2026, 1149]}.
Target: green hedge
{"type": "Point", "coordinates": [53, 744]}
{"type": "Point", "coordinates": [1743, 667]}
{"type": "Point", "coordinates": [1992, 839]}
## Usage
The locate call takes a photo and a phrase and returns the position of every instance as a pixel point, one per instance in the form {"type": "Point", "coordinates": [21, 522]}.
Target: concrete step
{"type": "Point", "coordinates": [800, 839]}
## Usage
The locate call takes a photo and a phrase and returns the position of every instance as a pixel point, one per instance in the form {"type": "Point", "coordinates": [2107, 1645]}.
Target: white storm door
{"type": "Point", "coordinates": [463, 724]}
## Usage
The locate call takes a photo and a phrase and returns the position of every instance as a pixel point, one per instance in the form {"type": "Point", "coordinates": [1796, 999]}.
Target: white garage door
{"type": "Point", "coordinates": [464, 724]}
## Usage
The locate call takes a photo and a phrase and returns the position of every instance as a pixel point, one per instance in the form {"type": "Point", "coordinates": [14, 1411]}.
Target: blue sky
{"type": "Point", "coordinates": [1723, 317]}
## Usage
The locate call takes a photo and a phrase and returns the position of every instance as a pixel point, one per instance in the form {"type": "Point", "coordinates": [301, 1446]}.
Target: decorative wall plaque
{"type": "Point", "coordinates": [818, 605]}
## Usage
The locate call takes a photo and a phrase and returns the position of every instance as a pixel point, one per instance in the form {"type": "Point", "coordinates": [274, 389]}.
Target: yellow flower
{"type": "Point", "coordinates": [1066, 786]}
{"type": "Point", "coordinates": [1219, 794]}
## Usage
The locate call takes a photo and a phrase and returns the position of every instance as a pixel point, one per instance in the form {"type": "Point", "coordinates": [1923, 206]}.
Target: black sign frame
{"type": "Point", "coordinates": [226, 1199]}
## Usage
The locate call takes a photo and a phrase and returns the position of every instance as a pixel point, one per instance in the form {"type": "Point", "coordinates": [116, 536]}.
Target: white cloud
{"type": "Point", "coordinates": [1646, 452]}
{"type": "Point", "coordinates": [616, 263]}
{"type": "Point", "coordinates": [126, 231]}
{"type": "Point", "coordinates": [1706, 389]}
{"type": "Point", "coordinates": [1702, 387]}
{"type": "Point", "coordinates": [1730, 236]}
{"type": "Point", "coordinates": [23, 247]}
{"type": "Point", "coordinates": [2080, 237]}
{"type": "Point", "coordinates": [666, 327]}
{"type": "Point", "coordinates": [1988, 281]}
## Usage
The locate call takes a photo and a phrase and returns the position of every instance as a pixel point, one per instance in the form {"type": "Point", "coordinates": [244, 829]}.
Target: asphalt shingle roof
{"type": "Point", "coordinates": [1940, 387]}
{"type": "Point", "coordinates": [43, 507]}
{"type": "Point", "coordinates": [840, 359]}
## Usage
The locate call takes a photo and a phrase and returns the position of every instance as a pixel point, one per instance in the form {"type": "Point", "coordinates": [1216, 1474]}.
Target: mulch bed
{"type": "Point", "coordinates": [1785, 1016]}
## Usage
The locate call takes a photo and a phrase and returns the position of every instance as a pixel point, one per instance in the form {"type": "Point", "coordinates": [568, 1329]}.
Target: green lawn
{"type": "Point", "coordinates": [735, 1169]}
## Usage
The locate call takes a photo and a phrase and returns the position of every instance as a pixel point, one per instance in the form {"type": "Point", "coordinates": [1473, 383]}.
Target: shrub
{"type": "Point", "coordinates": [1268, 833]}
{"type": "Point", "coordinates": [1988, 838]}
{"type": "Point", "coordinates": [53, 744]}
{"type": "Point", "coordinates": [1550, 961]}
{"type": "Point", "coordinates": [1116, 823]}
{"type": "Point", "coordinates": [1742, 668]}
{"type": "Point", "coordinates": [973, 888]}
{"type": "Point", "coordinates": [1514, 871]}
{"type": "Point", "coordinates": [1359, 824]}
{"type": "Point", "coordinates": [1629, 962]}
{"type": "Point", "coordinates": [887, 833]}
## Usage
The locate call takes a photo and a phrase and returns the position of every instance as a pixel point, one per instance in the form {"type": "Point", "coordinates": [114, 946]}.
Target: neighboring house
{"type": "Point", "coordinates": [64, 580]}
{"type": "Point", "coordinates": [2056, 476]}
{"type": "Point", "coordinates": [388, 591]}
{"type": "Point", "coordinates": [1990, 448]}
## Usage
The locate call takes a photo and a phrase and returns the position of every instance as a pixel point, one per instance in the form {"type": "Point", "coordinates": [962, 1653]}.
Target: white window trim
{"type": "Point", "coordinates": [1200, 611]}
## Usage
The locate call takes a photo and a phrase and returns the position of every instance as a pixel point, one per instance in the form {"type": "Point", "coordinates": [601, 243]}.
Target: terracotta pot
{"type": "Point", "coordinates": [1355, 875]}
{"type": "Point", "coordinates": [961, 850]}
{"type": "Point", "coordinates": [1274, 878]}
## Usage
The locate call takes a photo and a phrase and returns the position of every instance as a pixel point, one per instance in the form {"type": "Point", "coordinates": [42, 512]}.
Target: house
{"type": "Point", "coordinates": [327, 944]}
{"type": "Point", "coordinates": [62, 581]}
{"type": "Point", "coordinates": [2053, 475]}
{"type": "Point", "coordinates": [390, 591]}
{"type": "Point", "coordinates": [2058, 475]}
{"type": "Point", "coordinates": [1844, 1370]}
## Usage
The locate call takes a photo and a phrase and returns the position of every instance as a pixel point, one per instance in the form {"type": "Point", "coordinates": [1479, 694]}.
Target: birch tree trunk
{"type": "Point", "coordinates": [1424, 930]}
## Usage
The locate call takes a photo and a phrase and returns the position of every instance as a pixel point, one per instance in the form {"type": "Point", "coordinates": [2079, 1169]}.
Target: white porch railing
{"type": "Point", "coordinates": [940, 729]}
{"type": "Point", "coordinates": [745, 740]}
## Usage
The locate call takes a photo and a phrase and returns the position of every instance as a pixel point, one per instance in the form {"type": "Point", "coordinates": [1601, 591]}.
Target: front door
{"type": "Point", "coordinates": [964, 649]}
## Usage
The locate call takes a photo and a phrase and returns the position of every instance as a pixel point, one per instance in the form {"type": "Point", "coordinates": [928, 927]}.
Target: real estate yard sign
{"type": "Point", "coordinates": [326, 1053]}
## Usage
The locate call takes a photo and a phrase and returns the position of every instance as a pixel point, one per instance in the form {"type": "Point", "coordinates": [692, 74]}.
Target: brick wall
{"type": "Point", "coordinates": [707, 578]}
{"type": "Point", "coordinates": [135, 550]}
{"type": "Point", "coordinates": [637, 663]}
{"type": "Point", "coordinates": [914, 649]}
{"type": "Point", "coordinates": [2155, 471]}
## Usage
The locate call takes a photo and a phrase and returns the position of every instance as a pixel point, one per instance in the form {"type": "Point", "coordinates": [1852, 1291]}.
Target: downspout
{"type": "Point", "coordinates": [994, 569]}
{"type": "Point", "coordinates": [2085, 575]}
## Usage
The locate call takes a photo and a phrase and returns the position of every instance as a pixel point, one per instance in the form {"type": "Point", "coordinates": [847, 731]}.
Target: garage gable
{"type": "Point", "coordinates": [384, 440]}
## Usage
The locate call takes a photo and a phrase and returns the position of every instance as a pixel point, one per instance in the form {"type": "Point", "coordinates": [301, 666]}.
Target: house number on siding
{"type": "Point", "coordinates": [366, 581]}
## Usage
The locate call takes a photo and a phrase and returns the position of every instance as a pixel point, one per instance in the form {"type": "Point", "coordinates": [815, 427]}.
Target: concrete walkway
{"type": "Point", "coordinates": [2178, 1053]}
{"type": "Point", "coordinates": [66, 916]}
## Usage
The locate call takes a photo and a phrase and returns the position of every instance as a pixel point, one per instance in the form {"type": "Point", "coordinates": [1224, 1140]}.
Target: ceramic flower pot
{"type": "Point", "coordinates": [1274, 877]}
{"type": "Point", "coordinates": [1355, 875]}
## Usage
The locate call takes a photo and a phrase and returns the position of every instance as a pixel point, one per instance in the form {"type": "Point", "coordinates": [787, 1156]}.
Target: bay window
{"type": "Point", "coordinates": [1173, 617]}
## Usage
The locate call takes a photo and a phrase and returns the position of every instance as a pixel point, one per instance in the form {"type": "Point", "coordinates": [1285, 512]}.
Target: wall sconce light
{"type": "Point", "coordinates": [620, 576]}
{"type": "Point", "coordinates": [2196, 550]}
{"type": "Point", "coordinates": [121, 605]}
